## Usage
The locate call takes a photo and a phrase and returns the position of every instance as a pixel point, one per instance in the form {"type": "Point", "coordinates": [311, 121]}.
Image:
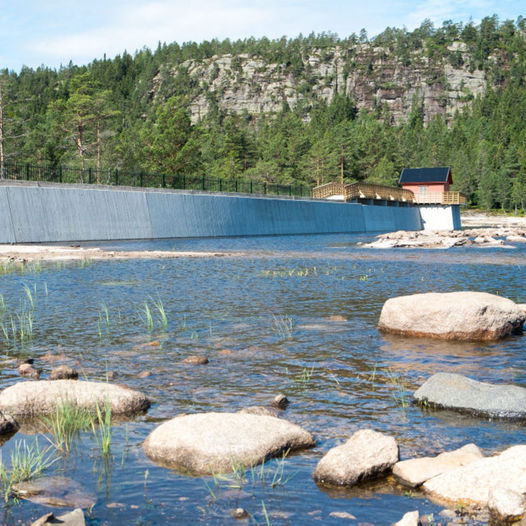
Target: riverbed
{"type": "Point", "coordinates": [295, 315]}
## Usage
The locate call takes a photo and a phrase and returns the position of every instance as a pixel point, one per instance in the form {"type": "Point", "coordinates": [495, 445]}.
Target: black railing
{"type": "Point", "coordinates": [67, 174]}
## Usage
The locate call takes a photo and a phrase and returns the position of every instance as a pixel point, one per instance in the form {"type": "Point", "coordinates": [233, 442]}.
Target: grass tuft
{"type": "Point", "coordinates": [27, 463]}
{"type": "Point", "coordinates": [65, 425]}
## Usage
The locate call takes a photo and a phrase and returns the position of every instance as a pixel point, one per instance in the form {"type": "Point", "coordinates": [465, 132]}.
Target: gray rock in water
{"type": "Point", "coordinates": [280, 401]}
{"type": "Point", "coordinates": [411, 518]}
{"type": "Point", "coordinates": [457, 392]}
{"type": "Point", "coordinates": [27, 369]}
{"type": "Point", "coordinates": [452, 316]}
{"type": "Point", "coordinates": [365, 455]}
{"type": "Point", "coordinates": [209, 443]}
{"type": "Point", "coordinates": [63, 372]}
{"type": "Point", "coordinates": [43, 397]}
{"type": "Point", "coordinates": [260, 410]}
{"type": "Point", "coordinates": [57, 492]}
{"type": "Point", "coordinates": [472, 483]}
{"type": "Point", "coordinates": [416, 471]}
{"type": "Point", "coordinates": [8, 424]}
{"type": "Point", "coordinates": [73, 518]}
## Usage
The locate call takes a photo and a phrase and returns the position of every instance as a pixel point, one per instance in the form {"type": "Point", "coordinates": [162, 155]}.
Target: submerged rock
{"type": "Point", "coordinates": [452, 316]}
{"type": "Point", "coordinates": [42, 397]}
{"type": "Point", "coordinates": [73, 518]}
{"type": "Point", "coordinates": [8, 424]}
{"type": "Point", "coordinates": [63, 372]}
{"type": "Point", "coordinates": [365, 455]}
{"type": "Point", "coordinates": [27, 369]}
{"type": "Point", "coordinates": [472, 483]}
{"type": "Point", "coordinates": [280, 401]}
{"type": "Point", "coordinates": [196, 360]}
{"type": "Point", "coordinates": [209, 443]}
{"type": "Point", "coordinates": [57, 492]}
{"type": "Point", "coordinates": [411, 518]}
{"type": "Point", "coordinates": [457, 392]}
{"type": "Point", "coordinates": [260, 410]}
{"type": "Point", "coordinates": [416, 471]}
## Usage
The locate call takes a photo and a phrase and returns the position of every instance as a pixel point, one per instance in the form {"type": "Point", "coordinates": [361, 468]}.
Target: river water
{"type": "Point", "coordinates": [264, 322]}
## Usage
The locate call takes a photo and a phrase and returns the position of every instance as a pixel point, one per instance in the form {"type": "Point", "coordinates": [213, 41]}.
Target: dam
{"type": "Point", "coordinates": [36, 212]}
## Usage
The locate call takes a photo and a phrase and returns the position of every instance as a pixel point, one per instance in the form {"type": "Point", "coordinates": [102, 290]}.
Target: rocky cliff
{"type": "Point", "coordinates": [372, 76]}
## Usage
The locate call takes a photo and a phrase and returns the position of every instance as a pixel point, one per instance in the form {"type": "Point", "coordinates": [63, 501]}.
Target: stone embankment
{"type": "Point", "coordinates": [504, 237]}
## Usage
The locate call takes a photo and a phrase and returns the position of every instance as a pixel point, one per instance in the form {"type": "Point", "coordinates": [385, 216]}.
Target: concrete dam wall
{"type": "Point", "coordinates": [32, 212]}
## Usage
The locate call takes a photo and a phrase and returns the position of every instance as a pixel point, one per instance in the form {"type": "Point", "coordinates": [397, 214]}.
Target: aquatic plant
{"type": "Point", "coordinates": [304, 377]}
{"type": "Point", "coordinates": [399, 393]}
{"type": "Point", "coordinates": [265, 514]}
{"type": "Point", "coordinates": [270, 475]}
{"type": "Point", "coordinates": [101, 427]}
{"type": "Point", "coordinates": [282, 326]}
{"type": "Point", "coordinates": [27, 462]}
{"type": "Point", "coordinates": [298, 272]}
{"type": "Point", "coordinates": [148, 318]}
{"type": "Point", "coordinates": [154, 316]}
{"type": "Point", "coordinates": [65, 424]}
{"type": "Point", "coordinates": [163, 320]}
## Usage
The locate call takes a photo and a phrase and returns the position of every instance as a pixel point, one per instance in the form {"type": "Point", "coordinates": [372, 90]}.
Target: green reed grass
{"type": "Point", "coordinates": [27, 462]}
{"type": "Point", "coordinates": [65, 424]}
{"type": "Point", "coordinates": [163, 320]}
{"type": "Point", "coordinates": [148, 317]}
{"type": "Point", "coordinates": [101, 427]}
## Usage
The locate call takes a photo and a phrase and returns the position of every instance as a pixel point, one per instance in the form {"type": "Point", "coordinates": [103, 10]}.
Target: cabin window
{"type": "Point", "coordinates": [422, 190]}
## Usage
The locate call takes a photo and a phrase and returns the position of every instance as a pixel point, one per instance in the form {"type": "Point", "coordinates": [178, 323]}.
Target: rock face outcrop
{"type": "Point", "coordinates": [473, 483]}
{"type": "Point", "coordinates": [28, 399]}
{"type": "Point", "coordinates": [209, 443]}
{"type": "Point", "coordinates": [452, 316]}
{"type": "Point", "coordinates": [365, 455]}
{"type": "Point", "coordinates": [416, 471]}
{"type": "Point", "coordinates": [457, 392]}
{"type": "Point", "coordinates": [371, 75]}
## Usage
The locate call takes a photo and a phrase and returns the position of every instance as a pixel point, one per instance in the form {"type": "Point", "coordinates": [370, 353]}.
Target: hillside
{"type": "Point", "coordinates": [307, 109]}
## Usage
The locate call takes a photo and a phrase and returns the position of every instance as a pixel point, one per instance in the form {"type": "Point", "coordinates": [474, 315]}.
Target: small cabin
{"type": "Point", "coordinates": [426, 181]}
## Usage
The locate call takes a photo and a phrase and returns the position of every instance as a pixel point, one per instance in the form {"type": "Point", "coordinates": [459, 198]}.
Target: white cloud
{"type": "Point", "coordinates": [58, 31]}
{"type": "Point", "coordinates": [165, 21]}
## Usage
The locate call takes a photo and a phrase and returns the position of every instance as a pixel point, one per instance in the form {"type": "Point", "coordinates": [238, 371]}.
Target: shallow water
{"type": "Point", "coordinates": [263, 322]}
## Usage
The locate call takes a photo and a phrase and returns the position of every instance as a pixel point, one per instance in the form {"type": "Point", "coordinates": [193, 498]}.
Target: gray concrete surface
{"type": "Point", "coordinates": [32, 212]}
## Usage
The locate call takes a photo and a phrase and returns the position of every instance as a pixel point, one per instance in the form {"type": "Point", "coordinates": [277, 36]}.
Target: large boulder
{"type": "Point", "coordinates": [452, 316]}
{"type": "Point", "coordinates": [473, 483]}
{"type": "Point", "coordinates": [209, 443]}
{"type": "Point", "coordinates": [457, 392]}
{"type": "Point", "coordinates": [26, 399]}
{"type": "Point", "coordinates": [365, 455]}
{"type": "Point", "coordinates": [416, 471]}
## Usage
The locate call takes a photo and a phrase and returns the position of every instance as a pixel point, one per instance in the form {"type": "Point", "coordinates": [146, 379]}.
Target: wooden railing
{"type": "Point", "coordinates": [329, 189]}
{"type": "Point", "coordinates": [377, 191]}
{"type": "Point", "coordinates": [362, 191]}
{"type": "Point", "coordinates": [441, 198]}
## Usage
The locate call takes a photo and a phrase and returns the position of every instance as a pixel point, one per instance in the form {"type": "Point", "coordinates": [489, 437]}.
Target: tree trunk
{"type": "Point", "coordinates": [2, 154]}
{"type": "Point", "coordinates": [98, 151]}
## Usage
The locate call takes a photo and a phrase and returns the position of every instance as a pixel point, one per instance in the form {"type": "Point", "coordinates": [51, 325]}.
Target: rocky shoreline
{"type": "Point", "coordinates": [503, 237]}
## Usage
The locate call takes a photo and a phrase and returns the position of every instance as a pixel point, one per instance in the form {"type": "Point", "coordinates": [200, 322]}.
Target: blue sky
{"type": "Point", "coordinates": [34, 32]}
